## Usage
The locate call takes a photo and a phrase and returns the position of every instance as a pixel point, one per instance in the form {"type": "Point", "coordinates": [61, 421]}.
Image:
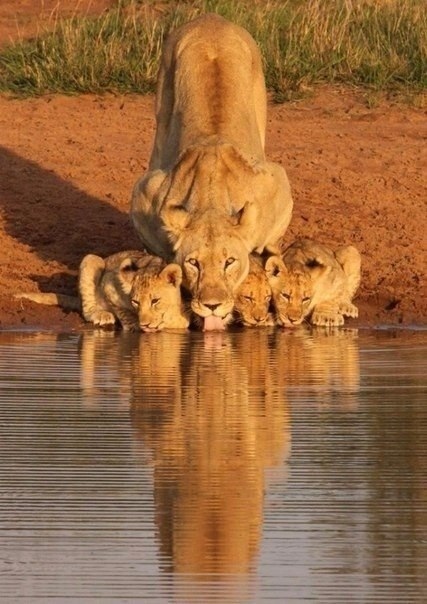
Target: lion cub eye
{"type": "Point", "coordinates": [193, 262]}
{"type": "Point", "coordinates": [155, 301]}
{"type": "Point", "coordinates": [248, 298]}
{"type": "Point", "coordinates": [135, 303]}
{"type": "Point", "coordinates": [306, 300]}
{"type": "Point", "coordinates": [229, 261]}
{"type": "Point", "coordinates": [285, 296]}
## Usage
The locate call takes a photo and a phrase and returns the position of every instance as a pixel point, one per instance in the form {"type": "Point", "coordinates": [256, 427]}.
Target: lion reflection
{"type": "Point", "coordinates": [319, 365]}
{"type": "Point", "coordinates": [214, 420]}
{"type": "Point", "coordinates": [211, 412]}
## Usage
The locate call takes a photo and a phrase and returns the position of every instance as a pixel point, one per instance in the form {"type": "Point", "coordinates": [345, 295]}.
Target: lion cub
{"type": "Point", "coordinates": [138, 290]}
{"type": "Point", "coordinates": [253, 297]}
{"type": "Point", "coordinates": [312, 281]}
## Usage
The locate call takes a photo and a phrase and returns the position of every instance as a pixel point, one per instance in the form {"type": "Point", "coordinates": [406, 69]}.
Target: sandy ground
{"type": "Point", "coordinates": [67, 166]}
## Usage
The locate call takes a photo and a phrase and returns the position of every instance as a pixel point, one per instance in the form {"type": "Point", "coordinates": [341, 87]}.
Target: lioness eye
{"type": "Point", "coordinates": [286, 296]}
{"type": "Point", "coordinates": [193, 262]}
{"type": "Point", "coordinates": [134, 303]}
{"type": "Point", "coordinates": [306, 300]}
{"type": "Point", "coordinates": [155, 301]}
{"type": "Point", "coordinates": [229, 261]}
{"type": "Point", "coordinates": [249, 298]}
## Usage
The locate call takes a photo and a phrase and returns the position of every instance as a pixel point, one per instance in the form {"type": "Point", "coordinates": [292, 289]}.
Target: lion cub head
{"type": "Point", "coordinates": [156, 298]}
{"type": "Point", "coordinates": [253, 297]}
{"type": "Point", "coordinates": [292, 290]}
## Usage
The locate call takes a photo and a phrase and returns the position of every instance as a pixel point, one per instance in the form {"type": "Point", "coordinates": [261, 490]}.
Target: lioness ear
{"type": "Point", "coordinates": [176, 219]}
{"type": "Point", "coordinates": [273, 266]}
{"type": "Point", "coordinates": [172, 273]}
{"type": "Point", "coordinates": [247, 220]}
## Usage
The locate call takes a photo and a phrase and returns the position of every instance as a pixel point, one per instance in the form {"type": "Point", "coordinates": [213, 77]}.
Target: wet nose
{"type": "Point", "coordinates": [212, 307]}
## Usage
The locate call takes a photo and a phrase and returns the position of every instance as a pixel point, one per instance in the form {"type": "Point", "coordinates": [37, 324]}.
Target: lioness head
{"type": "Point", "coordinates": [253, 297]}
{"type": "Point", "coordinates": [292, 290]}
{"type": "Point", "coordinates": [157, 299]}
{"type": "Point", "coordinates": [215, 261]}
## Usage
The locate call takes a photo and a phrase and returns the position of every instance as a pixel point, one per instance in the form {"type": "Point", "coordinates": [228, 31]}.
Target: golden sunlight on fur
{"type": "Point", "coordinates": [210, 197]}
{"type": "Point", "coordinates": [253, 297]}
{"type": "Point", "coordinates": [312, 282]}
{"type": "Point", "coordinates": [132, 287]}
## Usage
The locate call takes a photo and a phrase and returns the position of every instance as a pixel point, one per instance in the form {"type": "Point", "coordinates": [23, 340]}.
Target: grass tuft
{"type": "Point", "coordinates": [380, 44]}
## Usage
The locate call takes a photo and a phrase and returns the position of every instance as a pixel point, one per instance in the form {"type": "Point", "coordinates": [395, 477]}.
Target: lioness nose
{"type": "Point", "coordinates": [212, 307]}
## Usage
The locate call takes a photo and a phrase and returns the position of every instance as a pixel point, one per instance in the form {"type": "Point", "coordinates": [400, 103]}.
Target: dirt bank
{"type": "Point", "coordinates": [67, 166]}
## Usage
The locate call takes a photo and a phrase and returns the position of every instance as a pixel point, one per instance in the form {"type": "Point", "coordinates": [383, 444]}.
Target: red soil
{"type": "Point", "coordinates": [67, 166]}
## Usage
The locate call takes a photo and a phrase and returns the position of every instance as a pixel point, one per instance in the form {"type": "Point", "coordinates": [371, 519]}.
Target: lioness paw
{"type": "Point", "coordinates": [326, 319]}
{"type": "Point", "coordinates": [349, 310]}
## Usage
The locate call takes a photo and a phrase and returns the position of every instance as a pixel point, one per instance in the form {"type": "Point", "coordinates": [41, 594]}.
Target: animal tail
{"type": "Point", "coordinates": [51, 299]}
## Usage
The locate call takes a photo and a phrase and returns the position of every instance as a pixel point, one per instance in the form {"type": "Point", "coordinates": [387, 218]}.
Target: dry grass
{"type": "Point", "coordinates": [379, 44]}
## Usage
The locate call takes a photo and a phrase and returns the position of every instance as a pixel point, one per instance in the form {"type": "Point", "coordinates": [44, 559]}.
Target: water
{"type": "Point", "coordinates": [260, 466]}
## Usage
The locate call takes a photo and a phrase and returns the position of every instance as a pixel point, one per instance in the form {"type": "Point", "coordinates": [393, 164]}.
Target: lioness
{"type": "Point", "coordinates": [138, 290]}
{"type": "Point", "coordinates": [210, 197]}
{"type": "Point", "coordinates": [312, 280]}
{"type": "Point", "coordinates": [253, 297]}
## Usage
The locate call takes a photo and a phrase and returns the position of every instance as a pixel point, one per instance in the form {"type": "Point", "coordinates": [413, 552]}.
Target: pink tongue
{"type": "Point", "coordinates": [213, 323]}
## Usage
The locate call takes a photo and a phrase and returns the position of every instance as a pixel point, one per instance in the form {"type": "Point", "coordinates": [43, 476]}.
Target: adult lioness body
{"type": "Point", "coordinates": [210, 197]}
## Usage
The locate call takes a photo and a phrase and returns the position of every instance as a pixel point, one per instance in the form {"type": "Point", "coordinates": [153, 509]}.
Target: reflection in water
{"type": "Point", "coordinates": [214, 419]}
{"type": "Point", "coordinates": [158, 467]}
{"type": "Point", "coordinates": [322, 362]}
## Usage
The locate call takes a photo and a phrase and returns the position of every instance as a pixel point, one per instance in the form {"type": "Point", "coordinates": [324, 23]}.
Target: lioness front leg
{"type": "Point", "coordinates": [90, 273]}
{"type": "Point", "coordinates": [327, 314]}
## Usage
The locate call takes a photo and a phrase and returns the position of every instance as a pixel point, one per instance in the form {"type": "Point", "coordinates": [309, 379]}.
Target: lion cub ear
{"type": "Point", "coordinates": [273, 266]}
{"type": "Point", "coordinates": [128, 269]}
{"type": "Point", "coordinates": [172, 273]}
{"type": "Point", "coordinates": [314, 262]}
{"type": "Point", "coordinates": [176, 219]}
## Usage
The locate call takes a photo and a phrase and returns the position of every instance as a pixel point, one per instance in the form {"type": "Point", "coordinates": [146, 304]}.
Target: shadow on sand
{"type": "Point", "coordinates": [55, 218]}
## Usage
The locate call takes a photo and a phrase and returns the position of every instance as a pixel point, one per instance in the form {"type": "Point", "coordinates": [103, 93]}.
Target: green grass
{"type": "Point", "coordinates": [379, 44]}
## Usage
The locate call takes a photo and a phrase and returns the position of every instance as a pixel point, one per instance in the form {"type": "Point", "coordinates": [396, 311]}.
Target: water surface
{"type": "Point", "coordinates": [258, 466]}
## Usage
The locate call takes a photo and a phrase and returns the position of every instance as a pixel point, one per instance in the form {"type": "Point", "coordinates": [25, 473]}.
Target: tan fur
{"type": "Point", "coordinates": [210, 197]}
{"type": "Point", "coordinates": [157, 299]}
{"type": "Point", "coordinates": [252, 302]}
{"type": "Point", "coordinates": [117, 289]}
{"type": "Point", "coordinates": [314, 282]}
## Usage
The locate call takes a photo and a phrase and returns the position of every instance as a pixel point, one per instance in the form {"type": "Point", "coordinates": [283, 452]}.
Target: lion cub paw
{"type": "Point", "coordinates": [101, 318]}
{"type": "Point", "coordinates": [349, 310]}
{"type": "Point", "coordinates": [327, 319]}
